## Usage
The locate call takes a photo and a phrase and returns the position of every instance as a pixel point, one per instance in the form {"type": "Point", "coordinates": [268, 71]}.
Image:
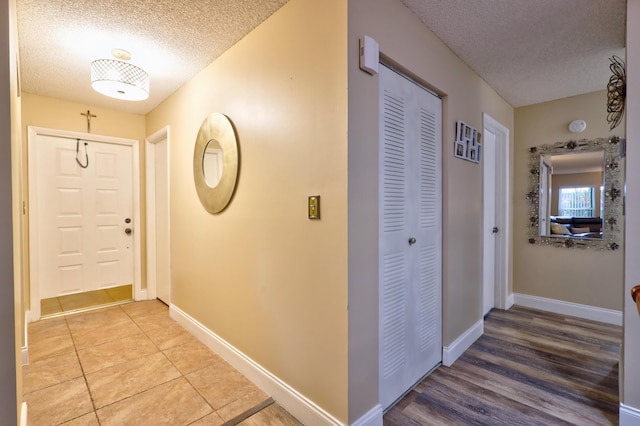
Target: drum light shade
{"type": "Point", "coordinates": [120, 80]}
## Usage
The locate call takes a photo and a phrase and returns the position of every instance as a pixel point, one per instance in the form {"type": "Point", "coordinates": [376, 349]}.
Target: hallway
{"type": "Point", "coordinates": [132, 364]}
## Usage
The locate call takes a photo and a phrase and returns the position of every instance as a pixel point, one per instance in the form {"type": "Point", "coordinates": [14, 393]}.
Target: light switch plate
{"type": "Point", "coordinates": [314, 207]}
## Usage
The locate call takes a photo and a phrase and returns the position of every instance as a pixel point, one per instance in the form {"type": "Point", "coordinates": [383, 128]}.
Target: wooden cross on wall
{"type": "Point", "coordinates": [89, 117]}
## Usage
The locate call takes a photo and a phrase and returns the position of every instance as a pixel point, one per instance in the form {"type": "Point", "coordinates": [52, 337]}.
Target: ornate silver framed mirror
{"type": "Point", "coordinates": [575, 194]}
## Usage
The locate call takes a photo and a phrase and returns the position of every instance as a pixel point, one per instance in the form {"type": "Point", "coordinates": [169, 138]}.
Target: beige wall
{"type": "Point", "coordinates": [261, 274]}
{"type": "Point", "coordinates": [405, 41]}
{"type": "Point", "coordinates": [587, 277]}
{"type": "Point", "coordinates": [630, 366]}
{"type": "Point", "coordinates": [41, 111]}
{"type": "Point", "coordinates": [575, 179]}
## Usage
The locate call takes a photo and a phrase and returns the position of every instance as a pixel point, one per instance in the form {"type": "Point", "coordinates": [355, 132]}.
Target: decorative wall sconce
{"type": "Point", "coordinates": [616, 92]}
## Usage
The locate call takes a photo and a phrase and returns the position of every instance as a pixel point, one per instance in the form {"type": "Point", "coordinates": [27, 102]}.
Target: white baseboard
{"type": "Point", "coordinates": [593, 313]}
{"type": "Point", "coordinates": [510, 301]}
{"type": "Point", "coordinates": [23, 414]}
{"type": "Point", "coordinates": [372, 418]}
{"type": "Point", "coordinates": [291, 400]}
{"type": "Point", "coordinates": [629, 416]}
{"type": "Point", "coordinates": [25, 349]}
{"type": "Point", "coordinates": [141, 295]}
{"type": "Point", "coordinates": [25, 355]}
{"type": "Point", "coordinates": [451, 353]}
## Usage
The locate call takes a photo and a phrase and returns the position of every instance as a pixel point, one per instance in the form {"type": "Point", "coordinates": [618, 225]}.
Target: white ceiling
{"type": "Point", "coordinates": [531, 51]}
{"type": "Point", "coordinates": [528, 50]}
{"type": "Point", "coordinates": [170, 39]}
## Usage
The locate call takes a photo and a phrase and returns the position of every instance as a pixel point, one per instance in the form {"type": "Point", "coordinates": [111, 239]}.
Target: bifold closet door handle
{"type": "Point", "coordinates": [635, 294]}
{"type": "Point", "coordinates": [412, 241]}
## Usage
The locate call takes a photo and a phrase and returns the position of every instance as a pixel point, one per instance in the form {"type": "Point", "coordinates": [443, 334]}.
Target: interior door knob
{"type": "Point", "coordinates": [128, 231]}
{"type": "Point", "coordinates": [412, 241]}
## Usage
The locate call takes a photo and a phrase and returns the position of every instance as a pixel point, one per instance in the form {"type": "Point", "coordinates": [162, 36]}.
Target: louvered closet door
{"type": "Point", "coordinates": [410, 216]}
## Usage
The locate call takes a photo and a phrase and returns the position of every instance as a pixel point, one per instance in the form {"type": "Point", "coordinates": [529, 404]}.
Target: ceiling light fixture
{"type": "Point", "coordinates": [120, 80]}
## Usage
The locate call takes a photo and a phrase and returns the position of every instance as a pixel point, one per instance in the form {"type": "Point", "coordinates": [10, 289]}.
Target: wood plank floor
{"type": "Point", "coordinates": [529, 368]}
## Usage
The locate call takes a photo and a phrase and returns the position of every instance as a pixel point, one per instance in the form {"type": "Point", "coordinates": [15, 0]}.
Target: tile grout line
{"type": "Point", "coordinates": [182, 375]}
{"type": "Point", "coordinates": [235, 420]}
{"type": "Point", "coordinates": [130, 396]}
{"type": "Point", "coordinates": [214, 411]}
{"type": "Point", "coordinates": [84, 375]}
{"type": "Point", "coordinates": [249, 412]}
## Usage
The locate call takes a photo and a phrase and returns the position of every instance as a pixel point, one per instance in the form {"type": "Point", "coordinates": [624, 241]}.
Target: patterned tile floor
{"type": "Point", "coordinates": [132, 364]}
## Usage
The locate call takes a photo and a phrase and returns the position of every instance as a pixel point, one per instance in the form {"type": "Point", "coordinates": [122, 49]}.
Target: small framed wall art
{"type": "Point", "coordinates": [468, 143]}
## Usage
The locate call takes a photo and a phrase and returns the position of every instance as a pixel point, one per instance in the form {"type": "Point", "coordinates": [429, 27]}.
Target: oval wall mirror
{"type": "Point", "coordinates": [215, 162]}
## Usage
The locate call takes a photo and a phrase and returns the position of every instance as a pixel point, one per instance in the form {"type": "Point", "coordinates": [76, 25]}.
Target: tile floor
{"type": "Point", "coordinates": [132, 364]}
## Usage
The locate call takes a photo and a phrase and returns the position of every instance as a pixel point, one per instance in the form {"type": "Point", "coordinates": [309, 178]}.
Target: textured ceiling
{"type": "Point", "coordinates": [170, 39]}
{"type": "Point", "coordinates": [528, 50]}
{"type": "Point", "coordinates": [531, 51]}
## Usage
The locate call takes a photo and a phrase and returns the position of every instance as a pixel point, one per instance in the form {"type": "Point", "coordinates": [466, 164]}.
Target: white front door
{"type": "Point", "coordinates": [410, 234]}
{"type": "Point", "coordinates": [496, 217]}
{"type": "Point", "coordinates": [83, 215]}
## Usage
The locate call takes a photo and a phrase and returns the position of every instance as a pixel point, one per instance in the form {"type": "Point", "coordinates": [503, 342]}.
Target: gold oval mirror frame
{"type": "Point", "coordinates": [216, 127]}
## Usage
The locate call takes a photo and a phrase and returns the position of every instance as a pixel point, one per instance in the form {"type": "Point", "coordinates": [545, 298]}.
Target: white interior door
{"type": "Point", "coordinates": [496, 262]}
{"type": "Point", "coordinates": [158, 255]}
{"type": "Point", "coordinates": [82, 215]}
{"type": "Point", "coordinates": [410, 263]}
{"type": "Point", "coordinates": [490, 221]}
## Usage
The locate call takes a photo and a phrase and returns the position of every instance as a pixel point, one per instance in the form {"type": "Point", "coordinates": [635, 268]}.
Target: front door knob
{"type": "Point", "coordinates": [128, 231]}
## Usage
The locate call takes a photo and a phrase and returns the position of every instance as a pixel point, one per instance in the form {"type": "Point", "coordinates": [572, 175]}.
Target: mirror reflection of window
{"type": "Point", "coordinates": [212, 163]}
{"type": "Point", "coordinates": [577, 201]}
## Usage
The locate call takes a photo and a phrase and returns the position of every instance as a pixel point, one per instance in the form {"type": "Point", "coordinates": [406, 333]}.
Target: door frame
{"type": "Point", "coordinates": [152, 172]}
{"type": "Point", "coordinates": [502, 298]}
{"type": "Point", "coordinates": [32, 223]}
